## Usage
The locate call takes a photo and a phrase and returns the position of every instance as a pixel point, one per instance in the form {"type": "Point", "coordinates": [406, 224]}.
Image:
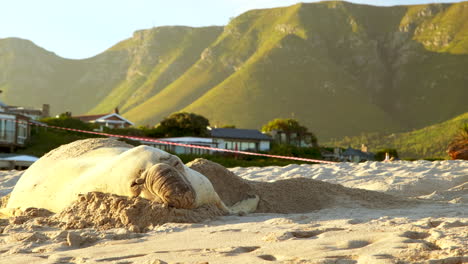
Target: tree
{"type": "Point", "coordinates": [184, 124]}
{"type": "Point", "coordinates": [65, 120]}
{"type": "Point", "coordinates": [458, 148]}
{"type": "Point", "coordinates": [293, 131]}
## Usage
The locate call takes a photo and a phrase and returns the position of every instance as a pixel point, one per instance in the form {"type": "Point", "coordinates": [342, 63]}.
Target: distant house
{"type": "Point", "coordinates": [240, 139]}
{"type": "Point", "coordinates": [350, 154]}
{"type": "Point", "coordinates": [15, 128]}
{"type": "Point", "coordinates": [223, 138]}
{"type": "Point", "coordinates": [32, 113]}
{"type": "Point", "coordinates": [293, 138]}
{"type": "Point", "coordinates": [197, 141]}
{"type": "Point", "coordinates": [112, 120]}
{"type": "Point", "coordinates": [356, 155]}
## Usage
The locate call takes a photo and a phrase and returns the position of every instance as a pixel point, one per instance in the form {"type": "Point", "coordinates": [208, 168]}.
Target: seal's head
{"type": "Point", "coordinates": [168, 184]}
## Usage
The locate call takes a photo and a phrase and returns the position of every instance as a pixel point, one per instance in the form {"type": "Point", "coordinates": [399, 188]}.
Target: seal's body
{"type": "Point", "coordinates": [54, 182]}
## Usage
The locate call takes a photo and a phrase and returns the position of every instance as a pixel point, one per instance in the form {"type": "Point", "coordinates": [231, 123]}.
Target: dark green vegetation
{"type": "Point", "coordinates": [291, 126]}
{"type": "Point", "coordinates": [430, 142]}
{"type": "Point", "coordinates": [184, 124]}
{"type": "Point", "coordinates": [44, 140]}
{"type": "Point", "coordinates": [342, 69]}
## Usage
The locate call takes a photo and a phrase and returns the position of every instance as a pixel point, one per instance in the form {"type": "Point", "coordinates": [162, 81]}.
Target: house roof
{"type": "Point", "coordinates": [355, 152]}
{"type": "Point", "coordinates": [102, 117]}
{"type": "Point", "coordinates": [87, 118]}
{"type": "Point", "coordinates": [235, 133]}
{"type": "Point", "coordinates": [22, 110]}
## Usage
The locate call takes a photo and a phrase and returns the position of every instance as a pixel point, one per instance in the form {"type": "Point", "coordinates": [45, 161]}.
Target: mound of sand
{"type": "Point", "coordinates": [105, 211]}
{"type": "Point", "coordinates": [230, 187]}
{"type": "Point", "coordinates": [296, 195]}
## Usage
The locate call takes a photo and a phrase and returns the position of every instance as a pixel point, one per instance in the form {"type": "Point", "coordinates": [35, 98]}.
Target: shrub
{"type": "Point", "coordinates": [380, 155]}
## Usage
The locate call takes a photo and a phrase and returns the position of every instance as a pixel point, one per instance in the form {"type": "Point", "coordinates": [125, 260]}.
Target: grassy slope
{"type": "Point", "coordinates": [32, 76]}
{"type": "Point", "coordinates": [293, 75]}
{"type": "Point", "coordinates": [345, 69]}
{"type": "Point", "coordinates": [340, 68]}
{"type": "Point", "coordinates": [159, 57]}
{"type": "Point", "coordinates": [237, 44]}
{"type": "Point", "coordinates": [428, 142]}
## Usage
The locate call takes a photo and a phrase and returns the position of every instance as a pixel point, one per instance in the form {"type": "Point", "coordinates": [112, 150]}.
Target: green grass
{"type": "Point", "coordinates": [427, 143]}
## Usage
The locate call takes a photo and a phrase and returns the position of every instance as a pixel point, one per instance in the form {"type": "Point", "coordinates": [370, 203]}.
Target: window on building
{"type": "Point", "coordinates": [252, 145]}
{"type": "Point", "coordinates": [22, 133]}
{"type": "Point", "coordinates": [2, 129]}
{"type": "Point", "coordinates": [229, 145]}
{"type": "Point", "coordinates": [244, 145]}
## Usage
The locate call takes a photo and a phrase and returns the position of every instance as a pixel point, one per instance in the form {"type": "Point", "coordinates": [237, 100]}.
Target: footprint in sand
{"type": "Point", "coordinates": [240, 250]}
{"type": "Point", "coordinates": [267, 257]}
{"type": "Point", "coordinates": [356, 221]}
{"type": "Point", "coordinates": [454, 224]}
{"type": "Point", "coordinates": [297, 234]}
{"type": "Point", "coordinates": [415, 235]}
{"type": "Point", "coordinates": [342, 259]}
{"type": "Point", "coordinates": [227, 230]}
{"type": "Point", "coordinates": [417, 239]}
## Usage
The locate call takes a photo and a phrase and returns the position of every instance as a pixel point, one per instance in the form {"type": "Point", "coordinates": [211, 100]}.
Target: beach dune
{"type": "Point", "coordinates": [372, 212]}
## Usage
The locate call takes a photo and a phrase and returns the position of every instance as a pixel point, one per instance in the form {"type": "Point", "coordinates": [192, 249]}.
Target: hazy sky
{"type": "Point", "coordinates": [84, 28]}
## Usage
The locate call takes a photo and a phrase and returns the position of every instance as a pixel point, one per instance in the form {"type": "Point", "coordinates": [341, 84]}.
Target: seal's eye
{"type": "Point", "coordinates": [178, 164]}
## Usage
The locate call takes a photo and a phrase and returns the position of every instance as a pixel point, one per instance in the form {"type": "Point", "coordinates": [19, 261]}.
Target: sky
{"type": "Point", "coordinates": [78, 29]}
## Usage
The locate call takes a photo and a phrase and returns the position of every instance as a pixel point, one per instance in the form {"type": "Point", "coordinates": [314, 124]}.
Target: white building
{"type": "Point", "coordinates": [197, 141]}
{"type": "Point", "coordinates": [14, 128]}
{"type": "Point", "coordinates": [111, 120]}
{"type": "Point", "coordinates": [222, 138]}
{"type": "Point", "coordinates": [241, 139]}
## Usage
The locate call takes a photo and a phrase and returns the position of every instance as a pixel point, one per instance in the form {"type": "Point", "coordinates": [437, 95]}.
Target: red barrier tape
{"type": "Point", "coordinates": [186, 145]}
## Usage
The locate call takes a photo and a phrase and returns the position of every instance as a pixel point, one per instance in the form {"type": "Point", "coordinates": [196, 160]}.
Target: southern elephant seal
{"type": "Point", "coordinates": [106, 165]}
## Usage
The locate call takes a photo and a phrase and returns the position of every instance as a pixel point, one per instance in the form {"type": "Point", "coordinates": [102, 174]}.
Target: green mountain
{"type": "Point", "coordinates": [428, 142]}
{"type": "Point", "coordinates": [31, 76]}
{"type": "Point", "coordinates": [341, 69]}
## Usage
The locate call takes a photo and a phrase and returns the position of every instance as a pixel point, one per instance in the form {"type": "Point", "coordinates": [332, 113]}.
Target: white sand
{"type": "Point", "coordinates": [8, 180]}
{"type": "Point", "coordinates": [435, 231]}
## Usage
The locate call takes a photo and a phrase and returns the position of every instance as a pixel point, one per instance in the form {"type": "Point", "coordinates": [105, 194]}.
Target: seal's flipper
{"type": "Point", "coordinates": [246, 206]}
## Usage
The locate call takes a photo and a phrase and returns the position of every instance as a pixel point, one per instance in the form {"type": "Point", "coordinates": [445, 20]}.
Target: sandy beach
{"type": "Point", "coordinates": [419, 215]}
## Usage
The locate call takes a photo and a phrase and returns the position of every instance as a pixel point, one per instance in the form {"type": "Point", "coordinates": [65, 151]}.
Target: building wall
{"type": "Point", "coordinates": [243, 145]}
{"type": "Point", "coordinates": [14, 130]}
{"type": "Point", "coordinates": [248, 145]}
{"type": "Point", "coordinates": [7, 128]}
